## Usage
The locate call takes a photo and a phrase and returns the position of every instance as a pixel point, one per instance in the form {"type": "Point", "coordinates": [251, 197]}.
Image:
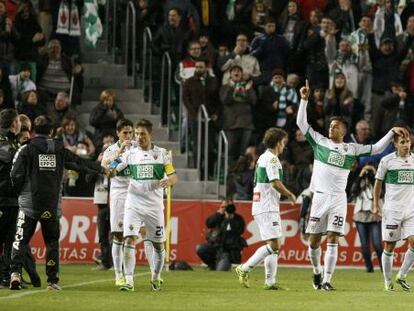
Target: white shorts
{"type": "Point", "coordinates": [116, 213]}
{"type": "Point", "coordinates": [153, 220]}
{"type": "Point", "coordinates": [328, 213]}
{"type": "Point", "coordinates": [397, 225]}
{"type": "Point", "coordinates": [270, 225]}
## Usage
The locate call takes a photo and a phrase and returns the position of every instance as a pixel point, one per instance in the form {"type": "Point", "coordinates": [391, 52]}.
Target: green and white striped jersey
{"type": "Point", "coordinates": [119, 183]}
{"type": "Point", "coordinates": [147, 168]}
{"type": "Point", "coordinates": [265, 197]}
{"type": "Point", "coordinates": [333, 162]}
{"type": "Point", "coordinates": [398, 175]}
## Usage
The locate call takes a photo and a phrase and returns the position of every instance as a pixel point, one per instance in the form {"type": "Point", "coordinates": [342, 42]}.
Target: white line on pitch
{"type": "Point", "coordinates": [33, 292]}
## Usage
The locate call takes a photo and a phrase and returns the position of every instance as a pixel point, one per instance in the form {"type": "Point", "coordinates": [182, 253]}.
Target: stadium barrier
{"type": "Point", "coordinates": [79, 236]}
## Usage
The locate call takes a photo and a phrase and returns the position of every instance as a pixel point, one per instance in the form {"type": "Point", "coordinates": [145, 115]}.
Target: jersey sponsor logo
{"type": "Point", "coordinates": [391, 227]}
{"type": "Point", "coordinates": [336, 159]}
{"type": "Point", "coordinates": [275, 223]}
{"type": "Point", "coordinates": [256, 197]}
{"type": "Point", "coordinates": [47, 162]}
{"type": "Point", "coordinates": [405, 177]}
{"type": "Point", "coordinates": [51, 263]}
{"type": "Point", "coordinates": [145, 171]}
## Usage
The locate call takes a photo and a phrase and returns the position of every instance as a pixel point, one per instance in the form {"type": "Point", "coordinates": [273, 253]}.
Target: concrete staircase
{"type": "Point", "coordinates": [101, 73]}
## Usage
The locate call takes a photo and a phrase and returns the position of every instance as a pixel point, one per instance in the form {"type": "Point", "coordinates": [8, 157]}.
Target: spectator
{"type": "Point", "coordinates": [25, 122]}
{"type": "Point", "coordinates": [61, 108]}
{"type": "Point", "coordinates": [237, 97]}
{"type": "Point", "coordinates": [277, 104]}
{"type": "Point", "coordinates": [363, 136]}
{"type": "Point", "coordinates": [298, 164]}
{"type": "Point", "coordinates": [21, 83]}
{"type": "Point", "coordinates": [387, 22]}
{"type": "Point", "coordinates": [5, 34]}
{"type": "Point", "coordinates": [186, 67]}
{"type": "Point", "coordinates": [339, 100]}
{"type": "Point", "coordinates": [30, 105]}
{"type": "Point", "coordinates": [307, 7]}
{"type": "Point", "coordinates": [346, 18]}
{"type": "Point", "coordinates": [316, 113]}
{"type": "Point", "coordinates": [201, 89]}
{"type": "Point", "coordinates": [56, 71]}
{"type": "Point", "coordinates": [72, 136]}
{"type": "Point", "coordinates": [385, 63]}
{"type": "Point", "coordinates": [224, 240]}
{"type": "Point", "coordinates": [360, 50]}
{"type": "Point", "coordinates": [314, 46]}
{"type": "Point", "coordinates": [3, 104]}
{"type": "Point", "coordinates": [292, 27]}
{"type": "Point", "coordinates": [208, 51]}
{"type": "Point", "coordinates": [24, 136]}
{"type": "Point", "coordinates": [271, 50]}
{"type": "Point", "coordinates": [67, 34]}
{"type": "Point", "coordinates": [397, 107]}
{"type": "Point", "coordinates": [260, 13]}
{"type": "Point", "coordinates": [346, 62]}
{"type": "Point", "coordinates": [6, 88]}
{"type": "Point", "coordinates": [241, 178]}
{"type": "Point", "coordinates": [104, 116]}
{"type": "Point", "coordinates": [27, 37]}
{"type": "Point", "coordinates": [172, 37]}
{"type": "Point", "coordinates": [240, 57]}
{"type": "Point", "coordinates": [367, 223]}
{"type": "Point", "coordinates": [236, 18]}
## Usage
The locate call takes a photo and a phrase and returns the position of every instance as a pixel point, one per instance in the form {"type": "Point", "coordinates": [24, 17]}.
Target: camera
{"type": "Point", "coordinates": [230, 208]}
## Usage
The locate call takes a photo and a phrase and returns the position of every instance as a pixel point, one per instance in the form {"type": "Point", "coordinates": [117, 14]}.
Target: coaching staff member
{"type": "Point", "coordinates": [36, 176]}
{"type": "Point", "coordinates": [9, 129]}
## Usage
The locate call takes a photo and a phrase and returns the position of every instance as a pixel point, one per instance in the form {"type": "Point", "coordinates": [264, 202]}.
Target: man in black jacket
{"type": "Point", "coordinates": [37, 175]}
{"type": "Point", "coordinates": [9, 129]}
{"type": "Point", "coordinates": [224, 241]}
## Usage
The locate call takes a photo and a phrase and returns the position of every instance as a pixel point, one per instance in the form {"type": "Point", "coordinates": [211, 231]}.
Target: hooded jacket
{"type": "Point", "coordinates": [37, 175]}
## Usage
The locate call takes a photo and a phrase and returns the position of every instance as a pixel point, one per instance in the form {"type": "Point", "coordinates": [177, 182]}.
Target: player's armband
{"type": "Point", "coordinates": [169, 169]}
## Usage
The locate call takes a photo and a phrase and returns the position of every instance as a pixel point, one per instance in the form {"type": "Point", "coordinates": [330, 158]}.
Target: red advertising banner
{"type": "Point", "coordinates": [79, 236]}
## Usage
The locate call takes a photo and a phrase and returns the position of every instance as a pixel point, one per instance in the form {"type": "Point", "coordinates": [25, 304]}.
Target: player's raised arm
{"type": "Point", "coordinates": [386, 140]}
{"type": "Point", "coordinates": [302, 120]}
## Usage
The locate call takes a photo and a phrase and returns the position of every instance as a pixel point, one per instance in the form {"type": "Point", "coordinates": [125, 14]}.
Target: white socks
{"type": "Point", "coordinates": [149, 253]}
{"type": "Point", "coordinates": [387, 259]}
{"type": "Point", "coordinates": [315, 259]}
{"type": "Point", "coordinates": [331, 256]}
{"type": "Point", "coordinates": [117, 257]}
{"type": "Point", "coordinates": [129, 262]}
{"type": "Point", "coordinates": [407, 263]}
{"type": "Point", "coordinates": [158, 263]}
{"type": "Point", "coordinates": [257, 257]}
{"type": "Point", "coordinates": [270, 264]}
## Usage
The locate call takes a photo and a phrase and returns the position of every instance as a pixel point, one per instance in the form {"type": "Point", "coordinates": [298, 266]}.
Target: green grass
{"type": "Point", "coordinates": [204, 290]}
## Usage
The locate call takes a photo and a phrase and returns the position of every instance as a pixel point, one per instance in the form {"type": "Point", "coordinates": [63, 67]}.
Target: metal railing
{"type": "Point", "coordinates": [222, 139]}
{"type": "Point", "coordinates": [183, 130]}
{"type": "Point", "coordinates": [131, 11]}
{"type": "Point", "coordinates": [114, 2]}
{"type": "Point", "coordinates": [166, 59]}
{"type": "Point", "coordinates": [146, 49]}
{"type": "Point", "coordinates": [202, 118]}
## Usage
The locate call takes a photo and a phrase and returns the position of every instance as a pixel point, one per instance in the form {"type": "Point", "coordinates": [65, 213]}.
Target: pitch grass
{"type": "Point", "coordinates": [84, 289]}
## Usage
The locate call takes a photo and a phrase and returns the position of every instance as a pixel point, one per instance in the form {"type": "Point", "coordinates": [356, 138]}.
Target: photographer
{"type": "Point", "coordinates": [367, 224]}
{"type": "Point", "coordinates": [224, 241]}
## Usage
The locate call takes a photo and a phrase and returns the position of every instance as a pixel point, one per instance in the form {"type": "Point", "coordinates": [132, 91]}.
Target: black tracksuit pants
{"type": "Point", "coordinates": [25, 229]}
{"type": "Point", "coordinates": [7, 231]}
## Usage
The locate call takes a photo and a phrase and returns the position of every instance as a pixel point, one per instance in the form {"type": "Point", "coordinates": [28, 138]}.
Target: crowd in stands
{"type": "Point", "coordinates": [244, 60]}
